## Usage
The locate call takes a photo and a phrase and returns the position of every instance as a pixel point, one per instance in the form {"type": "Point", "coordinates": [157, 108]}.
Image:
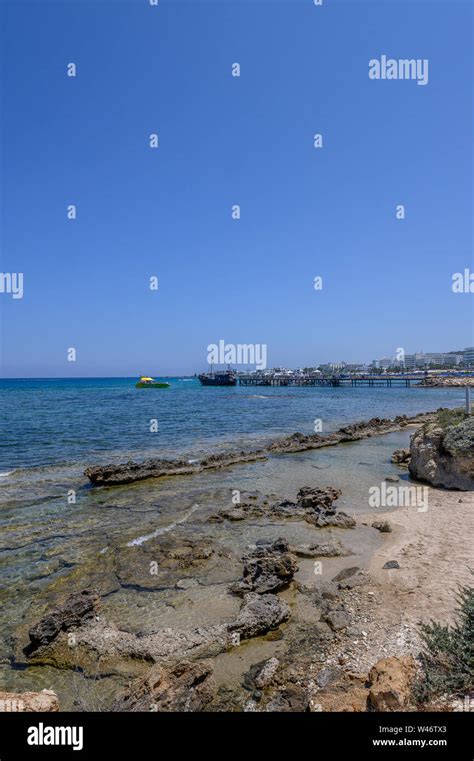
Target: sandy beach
{"type": "Point", "coordinates": [434, 552]}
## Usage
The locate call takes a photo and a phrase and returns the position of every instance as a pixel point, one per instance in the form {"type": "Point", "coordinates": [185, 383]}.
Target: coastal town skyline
{"type": "Point", "coordinates": [453, 359]}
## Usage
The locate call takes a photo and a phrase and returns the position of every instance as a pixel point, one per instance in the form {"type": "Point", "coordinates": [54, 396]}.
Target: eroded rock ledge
{"type": "Point", "coordinates": [125, 473]}
{"type": "Point", "coordinates": [100, 647]}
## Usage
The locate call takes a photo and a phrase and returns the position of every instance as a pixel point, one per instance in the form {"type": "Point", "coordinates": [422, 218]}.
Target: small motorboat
{"type": "Point", "coordinates": [146, 382]}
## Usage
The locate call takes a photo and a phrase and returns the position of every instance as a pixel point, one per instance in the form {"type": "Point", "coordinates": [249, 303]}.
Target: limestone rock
{"type": "Point", "coordinates": [401, 456]}
{"type": "Point", "coordinates": [129, 472]}
{"type": "Point", "coordinates": [233, 514]}
{"type": "Point", "coordinates": [78, 607]}
{"type": "Point", "coordinates": [383, 526]}
{"type": "Point", "coordinates": [259, 614]}
{"type": "Point", "coordinates": [343, 692]}
{"type": "Point", "coordinates": [443, 455]}
{"type": "Point", "coordinates": [266, 672]}
{"type": "Point", "coordinates": [390, 683]}
{"type": "Point", "coordinates": [45, 701]}
{"type": "Point", "coordinates": [293, 698]}
{"type": "Point", "coordinates": [346, 573]}
{"type": "Point", "coordinates": [314, 498]}
{"type": "Point", "coordinates": [349, 578]}
{"type": "Point", "coordinates": [339, 520]}
{"type": "Point", "coordinates": [318, 550]}
{"type": "Point", "coordinates": [183, 687]}
{"type": "Point", "coordinates": [337, 619]}
{"type": "Point", "coordinates": [267, 568]}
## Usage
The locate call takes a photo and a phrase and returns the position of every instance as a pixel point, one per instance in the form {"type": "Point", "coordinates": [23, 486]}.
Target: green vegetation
{"type": "Point", "coordinates": [447, 659]}
{"type": "Point", "coordinates": [448, 418]}
{"type": "Point", "coordinates": [460, 439]}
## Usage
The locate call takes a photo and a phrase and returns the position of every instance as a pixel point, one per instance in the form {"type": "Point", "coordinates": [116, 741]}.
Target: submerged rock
{"type": "Point", "coordinates": [183, 687]}
{"type": "Point", "coordinates": [101, 647]}
{"type": "Point", "coordinates": [163, 560]}
{"type": "Point", "coordinates": [319, 550]}
{"type": "Point", "coordinates": [233, 514]}
{"type": "Point", "coordinates": [77, 608]}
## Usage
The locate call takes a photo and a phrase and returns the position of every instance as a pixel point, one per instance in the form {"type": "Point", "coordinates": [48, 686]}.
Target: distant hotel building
{"type": "Point", "coordinates": [468, 357]}
{"type": "Point", "coordinates": [421, 360]}
{"type": "Point", "coordinates": [342, 367]}
{"type": "Point", "coordinates": [385, 362]}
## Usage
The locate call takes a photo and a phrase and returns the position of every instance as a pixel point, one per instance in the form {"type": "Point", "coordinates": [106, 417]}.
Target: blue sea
{"type": "Point", "coordinates": [87, 420]}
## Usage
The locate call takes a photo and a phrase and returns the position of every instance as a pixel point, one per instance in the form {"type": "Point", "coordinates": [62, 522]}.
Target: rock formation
{"type": "Point", "coordinates": [259, 614]}
{"type": "Point", "coordinates": [78, 607]}
{"type": "Point", "coordinates": [442, 453]}
{"type": "Point", "coordinates": [183, 687]}
{"type": "Point", "coordinates": [45, 701]}
{"type": "Point", "coordinates": [125, 473]}
{"type": "Point", "coordinates": [401, 457]}
{"type": "Point", "coordinates": [267, 568]}
{"type": "Point", "coordinates": [390, 683]}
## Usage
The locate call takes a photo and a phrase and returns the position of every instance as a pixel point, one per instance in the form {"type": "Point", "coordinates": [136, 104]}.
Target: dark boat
{"type": "Point", "coordinates": [224, 378]}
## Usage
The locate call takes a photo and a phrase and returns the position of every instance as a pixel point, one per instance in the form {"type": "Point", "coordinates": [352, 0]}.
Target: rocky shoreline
{"type": "Point", "coordinates": [130, 472]}
{"type": "Point", "coordinates": [433, 381]}
{"type": "Point", "coordinates": [288, 616]}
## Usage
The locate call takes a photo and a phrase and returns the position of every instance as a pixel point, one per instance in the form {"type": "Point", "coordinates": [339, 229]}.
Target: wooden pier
{"type": "Point", "coordinates": [352, 381]}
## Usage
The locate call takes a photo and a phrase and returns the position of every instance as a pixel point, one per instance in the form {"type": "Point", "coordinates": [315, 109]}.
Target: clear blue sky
{"type": "Point", "coordinates": [225, 141]}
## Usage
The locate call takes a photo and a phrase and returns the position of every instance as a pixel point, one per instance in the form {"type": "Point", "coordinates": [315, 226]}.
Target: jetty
{"type": "Point", "coordinates": [353, 381]}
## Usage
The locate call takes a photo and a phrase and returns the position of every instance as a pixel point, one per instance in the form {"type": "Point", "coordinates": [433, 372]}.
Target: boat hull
{"type": "Point", "coordinates": [218, 380]}
{"type": "Point", "coordinates": [151, 385]}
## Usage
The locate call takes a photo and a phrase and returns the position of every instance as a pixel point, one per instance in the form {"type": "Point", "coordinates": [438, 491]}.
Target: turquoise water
{"type": "Point", "coordinates": [60, 421]}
